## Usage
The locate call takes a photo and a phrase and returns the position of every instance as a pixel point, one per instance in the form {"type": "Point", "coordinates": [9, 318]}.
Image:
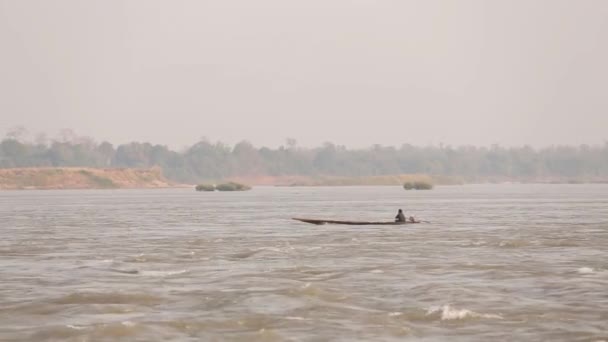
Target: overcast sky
{"type": "Point", "coordinates": [353, 72]}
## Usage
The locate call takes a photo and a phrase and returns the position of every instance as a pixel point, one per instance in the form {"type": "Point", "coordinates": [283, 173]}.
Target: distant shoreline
{"type": "Point", "coordinates": [50, 178]}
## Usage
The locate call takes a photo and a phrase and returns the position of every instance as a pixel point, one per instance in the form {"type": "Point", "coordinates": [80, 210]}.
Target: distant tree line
{"type": "Point", "coordinates": [205, 160]}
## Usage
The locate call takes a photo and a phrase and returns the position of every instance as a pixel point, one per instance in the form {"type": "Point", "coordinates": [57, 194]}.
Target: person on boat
{"type": "Point", "coordinates": [412, 219]}
{"type": "Point", "coordinates": [400, 217]}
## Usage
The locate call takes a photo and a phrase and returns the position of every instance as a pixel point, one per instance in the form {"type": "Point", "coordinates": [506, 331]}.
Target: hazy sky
{"type": "Point", "coordinates": [353, 72]}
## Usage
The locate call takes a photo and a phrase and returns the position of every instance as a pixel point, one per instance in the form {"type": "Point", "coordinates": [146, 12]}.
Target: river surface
{"type": "Point", "coordinates": [494, 262]}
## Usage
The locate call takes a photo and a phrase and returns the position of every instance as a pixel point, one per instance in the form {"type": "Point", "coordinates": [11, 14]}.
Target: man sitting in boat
{"type": "Point", "coordinates": [400, 217]}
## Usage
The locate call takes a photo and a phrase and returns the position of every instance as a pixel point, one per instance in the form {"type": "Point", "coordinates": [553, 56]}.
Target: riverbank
{"type": "Point", "coordinates": [82, 178]}
{"type": "Point", "coordinates": [397, 180]}
{"type": "Point", "coordinates": [132, 178]}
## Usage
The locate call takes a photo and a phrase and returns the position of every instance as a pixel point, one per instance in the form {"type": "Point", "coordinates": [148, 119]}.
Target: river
{"type": "Point", "coordinates": [504, 262]}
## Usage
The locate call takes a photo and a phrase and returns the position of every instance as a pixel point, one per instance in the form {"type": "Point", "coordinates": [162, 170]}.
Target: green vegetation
{"type": "Point", "coordinates": [205, 187]}
{"type": "Point", "coordinates": [418, 185]}
{"type": "Point", "coordinates": [232, 186]}
{"type": "Point", "coordinates": [205, 161]}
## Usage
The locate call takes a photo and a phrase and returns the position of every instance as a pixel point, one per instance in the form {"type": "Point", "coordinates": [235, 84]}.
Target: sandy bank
{"type": "Point", "coordinates": [82, 178]}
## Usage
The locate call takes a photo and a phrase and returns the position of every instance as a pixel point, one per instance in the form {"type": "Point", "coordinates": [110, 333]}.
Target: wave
{"type": "Point", "coordinates": [245, 254]}
{"type": "Point", "coordinates": [108, 298]}
{"type": "Point", "coordinates": [586, 270]}
{"type": "Point", "coordinates": [162, 273]}
{"type": "Point", "coordinates": [150, 273]}
{"type": "Point", "coordinates": [519, 243]}
{"type": "Point", "coordinates": [561, 243]}
{"type": "Point", "coordinates": [311, 290]}
{"type": "Point", "coordinates": [143, 258]}
{"type": "Point", "coordinates": [76, 327]}
{"type": "Point", "coordinates": [117, 270]}
{"type": "Point", "coordinates": [511, 243]}
{"type": "Point", "coordinates": [102, 331]}
{"type": "Point", "coordinates": [447, 312]}
{"type": "Point", "coordinates": [514, 243]}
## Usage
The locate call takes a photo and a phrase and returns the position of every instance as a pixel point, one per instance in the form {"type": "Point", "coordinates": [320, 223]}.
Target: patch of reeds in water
{"type": "Point", "coordinates": [205, 187]}
{"type": "Point", "coordinates": [232, 186]}
{"type": "Point", "coordinates": [229, 186]}
{"type": "Point", "coordinates": [418, 185]}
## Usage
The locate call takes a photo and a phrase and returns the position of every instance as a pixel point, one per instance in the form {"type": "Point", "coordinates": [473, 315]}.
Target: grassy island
{"type": "Point", "coordinates": [205, 187]}
{"type": "Point", "coordinates": [230, 186]}
{"type": "Point", "coordinates": [418, 185]}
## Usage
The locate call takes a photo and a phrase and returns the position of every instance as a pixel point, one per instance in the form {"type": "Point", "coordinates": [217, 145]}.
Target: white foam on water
{"type": "Point", "coordinates": [376, 271]}
{"type": "Point", "coordinates": [447, 312]}
{"type": "Point", "coordinates": [272, 249]}
{"type": "Point", "coordinates": [162, 273]}
{"type": "Point", "coordinates": [586, 270]}
{"type": "Point", "coordinates": [75, 327]}
{"type": "Point", "coordinates": [395, 314]}
{"type": "Point", "coordinates": [97, 263]}
{"type": "Point", "coordinates": [127, 323]}
{"type": "Point", "coordinates": [515, 243]}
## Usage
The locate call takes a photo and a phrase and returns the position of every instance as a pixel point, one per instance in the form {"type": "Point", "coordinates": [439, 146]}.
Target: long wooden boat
{"type": "Point", "coordinates": [357, 223]}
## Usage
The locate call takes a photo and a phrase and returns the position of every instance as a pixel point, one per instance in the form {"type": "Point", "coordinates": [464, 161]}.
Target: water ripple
{"type": "Point", "coordinates": [497, 262]}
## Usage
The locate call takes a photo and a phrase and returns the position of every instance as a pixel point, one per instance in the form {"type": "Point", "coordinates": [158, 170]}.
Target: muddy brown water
{"type": "Point", "coordinates": [504, 262]}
